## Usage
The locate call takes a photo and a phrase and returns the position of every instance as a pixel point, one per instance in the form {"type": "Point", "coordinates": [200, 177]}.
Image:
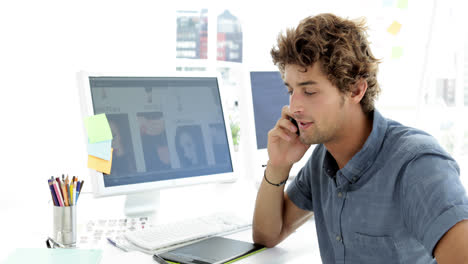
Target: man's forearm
{"type": "Point", "coordinates": [268, 215]}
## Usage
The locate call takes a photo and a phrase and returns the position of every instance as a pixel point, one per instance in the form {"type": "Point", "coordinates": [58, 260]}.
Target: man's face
{"type": "Point", "coordinates": [316, 104]}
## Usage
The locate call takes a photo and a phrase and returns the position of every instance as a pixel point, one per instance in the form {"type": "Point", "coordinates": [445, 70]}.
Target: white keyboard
{"type": "Point", "coordinates": [162, 236]}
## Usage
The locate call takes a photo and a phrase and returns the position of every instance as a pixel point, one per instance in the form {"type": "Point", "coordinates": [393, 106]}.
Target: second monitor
{"type": "Point", "coordinates": [265, 99]}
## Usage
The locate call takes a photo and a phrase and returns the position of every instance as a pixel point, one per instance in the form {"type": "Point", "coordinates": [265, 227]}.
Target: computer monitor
{"type": "Point", "coordinates": [265, 94]}
{"type": "Point", "coordinates": [168, 131]}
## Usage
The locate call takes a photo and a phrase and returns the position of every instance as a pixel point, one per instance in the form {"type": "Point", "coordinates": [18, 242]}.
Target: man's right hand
{"type": "Point", "coordinates": [284, 145]}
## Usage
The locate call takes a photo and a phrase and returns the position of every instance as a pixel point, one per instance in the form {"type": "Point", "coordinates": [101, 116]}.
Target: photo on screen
{"type": "Point", "coordinates": [190, 146]}
{"type": "Point", "coordinates": [123, 158]}
{"type": "Point", "coordinates": [154, 141]}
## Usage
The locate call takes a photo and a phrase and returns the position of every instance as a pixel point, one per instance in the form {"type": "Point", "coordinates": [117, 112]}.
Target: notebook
{"type": "Point", "coordinates": [55, 255]}
{"type": "Point", "coordinates": [214, 250]}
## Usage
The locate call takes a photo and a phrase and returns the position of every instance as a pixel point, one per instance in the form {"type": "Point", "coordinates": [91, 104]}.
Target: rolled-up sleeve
{"type": "Point", "coordinates": [299, 191]}
{"type": "Point", "coordinates": [433, 198]}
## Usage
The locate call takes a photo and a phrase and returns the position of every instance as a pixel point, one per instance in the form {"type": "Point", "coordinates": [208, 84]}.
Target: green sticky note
{"type": "Point", "coordinates": [397, 52]}
{"type": "Point", "coordinates": [54, 256]}
{"type": "Point", "coordinates": [402, 4]}
{"type": "Point", "coordinates": [98, 128]}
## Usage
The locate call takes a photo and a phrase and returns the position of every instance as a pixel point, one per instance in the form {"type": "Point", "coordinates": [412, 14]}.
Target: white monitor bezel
{"type": "Point", "coordinates": [97, 180]}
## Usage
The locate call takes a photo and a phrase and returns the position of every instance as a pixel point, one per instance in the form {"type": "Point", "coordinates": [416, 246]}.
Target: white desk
{"type": "Point", "coordinates": [28, 224]}
{"type": "Point", "coordinates": [301, 247]}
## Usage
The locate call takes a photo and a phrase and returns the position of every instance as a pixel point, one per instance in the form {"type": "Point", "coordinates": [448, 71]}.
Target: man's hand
{"type": "Point", "coordinates": [284, 146]}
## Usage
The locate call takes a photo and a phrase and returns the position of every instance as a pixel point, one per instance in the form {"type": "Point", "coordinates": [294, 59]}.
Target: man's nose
{"type": "Point", "coordinates": [296, 102]}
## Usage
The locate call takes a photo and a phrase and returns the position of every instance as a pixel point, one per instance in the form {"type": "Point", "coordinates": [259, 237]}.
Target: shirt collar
{"type": "Point", "coordinates": [362, 160]}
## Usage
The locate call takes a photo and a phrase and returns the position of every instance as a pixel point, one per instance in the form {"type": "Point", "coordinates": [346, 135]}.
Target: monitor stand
{"type": "Point", "coordinates": [142, 204]}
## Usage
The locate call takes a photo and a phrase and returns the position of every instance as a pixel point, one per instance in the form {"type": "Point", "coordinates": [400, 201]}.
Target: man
{"type": "Point", "coordinates": [380, 192]}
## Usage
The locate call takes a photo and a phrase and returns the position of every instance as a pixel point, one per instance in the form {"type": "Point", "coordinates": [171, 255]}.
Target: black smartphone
{"type": "Point", "coordinates": [295, 123]}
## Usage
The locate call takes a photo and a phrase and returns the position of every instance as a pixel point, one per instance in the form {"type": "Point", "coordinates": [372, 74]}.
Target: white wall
{"type": "Point", "coordinates": [44, 44]}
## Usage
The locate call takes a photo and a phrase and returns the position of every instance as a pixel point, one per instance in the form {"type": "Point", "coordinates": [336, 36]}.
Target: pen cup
{"type": "Point", "coordinates": [64, 226]}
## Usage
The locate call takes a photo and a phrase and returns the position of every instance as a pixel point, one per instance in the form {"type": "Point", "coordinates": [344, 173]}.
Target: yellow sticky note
{"type": "Point", "coordinates": [394, 28]}
{"type": "Point", "coordinates": [98, 128]}
{"type": "Point", "coordinates": [397, 52]}
{"type": "Point", "coordinates": [101, 165]}
{"type": "Point", "coordinates": [402, 4]}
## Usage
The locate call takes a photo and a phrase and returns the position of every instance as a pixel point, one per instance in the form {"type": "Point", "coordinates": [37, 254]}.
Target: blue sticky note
{"type": "Point", "coordinates": [100, 149]}
{"type": "Point", "coordinates": [387, 3]}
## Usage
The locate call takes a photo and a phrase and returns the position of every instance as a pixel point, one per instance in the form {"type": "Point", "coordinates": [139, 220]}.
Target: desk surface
{"type": "Point", "coordinates": [27, 226]}
{"type": "Point", "coordinates": [301, 247]}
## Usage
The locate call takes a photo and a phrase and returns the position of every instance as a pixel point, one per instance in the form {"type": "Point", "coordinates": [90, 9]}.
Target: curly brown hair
{"type": "Point", "coordinates": [339, 45]}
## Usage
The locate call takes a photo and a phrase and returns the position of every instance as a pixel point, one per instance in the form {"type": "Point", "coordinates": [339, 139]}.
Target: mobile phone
{"type": "Point", "coordinates": [295, 123]}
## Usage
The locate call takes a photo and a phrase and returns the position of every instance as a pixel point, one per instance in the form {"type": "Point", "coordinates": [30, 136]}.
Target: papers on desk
{"type": "Point", "coordinates": [54, 256]}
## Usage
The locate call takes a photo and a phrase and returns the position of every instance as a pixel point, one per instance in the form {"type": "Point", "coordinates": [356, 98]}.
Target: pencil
{"type": "Point", "coordinates": [60, 188]}
{"type": "Point", "coordinates": [79, 191]}
{"type": "Point", "coordinates": [57, 192]}
{"type": "Point", "coordinates": [74, 192]}
{"type": "Point", "coordinates": [71, 193]}
{"type": "Point", "coordinates": [52, 192]}
{"type": "Point", "coordinates": [81, 186]}
{"type": "Point", "coordinates": [65, 194]}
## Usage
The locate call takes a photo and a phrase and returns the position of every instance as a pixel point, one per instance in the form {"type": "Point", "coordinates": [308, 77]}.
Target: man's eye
{"type": "Point", "coordinates": [309, 93]}
{"type": "Point", "coordinates": [289, 92]}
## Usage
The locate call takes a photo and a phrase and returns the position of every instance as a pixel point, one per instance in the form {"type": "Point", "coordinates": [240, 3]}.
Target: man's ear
{"type": "Point", "coordinates": [358, 90]}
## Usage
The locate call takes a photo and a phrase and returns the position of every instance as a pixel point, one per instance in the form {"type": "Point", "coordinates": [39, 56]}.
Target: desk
{"type": "Point", "coordinates": [300, 247]}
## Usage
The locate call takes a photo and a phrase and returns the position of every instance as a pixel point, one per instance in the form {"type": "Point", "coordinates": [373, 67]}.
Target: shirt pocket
{"type": "Point", "coordinates": [372, 249]}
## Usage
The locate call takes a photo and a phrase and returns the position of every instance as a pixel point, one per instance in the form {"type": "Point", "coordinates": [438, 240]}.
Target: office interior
{"type": "Point", "coordinates": [423, 46]}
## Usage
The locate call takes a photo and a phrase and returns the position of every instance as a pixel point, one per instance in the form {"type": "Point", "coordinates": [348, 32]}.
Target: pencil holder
{"type": "Point", "coordinates": [64, 226]}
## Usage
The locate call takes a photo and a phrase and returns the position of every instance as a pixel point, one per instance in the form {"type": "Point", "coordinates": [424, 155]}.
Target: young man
{"type": "Point", "coordinates": [380, 192]}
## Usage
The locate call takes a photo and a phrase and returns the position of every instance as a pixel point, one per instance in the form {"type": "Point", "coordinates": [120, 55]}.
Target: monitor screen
{"type": "Point", "coordinates": [167, 131]}
{"type": "Point", "coordinates": [269, 95]}
{"type": "Point", "coordinates": [264, 95]}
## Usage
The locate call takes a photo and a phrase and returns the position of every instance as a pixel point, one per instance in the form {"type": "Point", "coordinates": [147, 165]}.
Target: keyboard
{"type": "Point", "coordinates": [183, 232]}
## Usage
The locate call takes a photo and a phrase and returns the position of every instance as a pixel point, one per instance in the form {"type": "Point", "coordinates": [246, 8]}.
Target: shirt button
{"type": "Point", "coordinates": [338, 238]}
{"type": "Point", "coordinates": [340, 194]}
{"type": "Point", "coordinates": [354, 179]}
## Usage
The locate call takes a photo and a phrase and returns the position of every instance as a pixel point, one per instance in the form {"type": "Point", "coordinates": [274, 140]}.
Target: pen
{"type": "Point", "coordinates": [159, 259]}
{"type": "Point", "coordinates": [115, 244]}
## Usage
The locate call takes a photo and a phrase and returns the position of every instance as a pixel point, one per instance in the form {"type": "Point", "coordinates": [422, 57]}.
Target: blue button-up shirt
{"type": "Point", "coordinates": [392, 201]}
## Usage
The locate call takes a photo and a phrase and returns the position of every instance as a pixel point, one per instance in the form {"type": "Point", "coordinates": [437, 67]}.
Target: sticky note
{"type": "Point", "coordinates": [101, 165]}
{"type": "Point", "coordinates": [100, 149]}
{"type": "Point", "coordinates": [397, 52]}
{"type": "Point", "coordinates": [394, 28]}
{"type": "Point", "coordinates": [98, 128]}
{"type": "Point", "coordinates": [387, 3]}
{"type": "Point", "coordinates": [402, 4]}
